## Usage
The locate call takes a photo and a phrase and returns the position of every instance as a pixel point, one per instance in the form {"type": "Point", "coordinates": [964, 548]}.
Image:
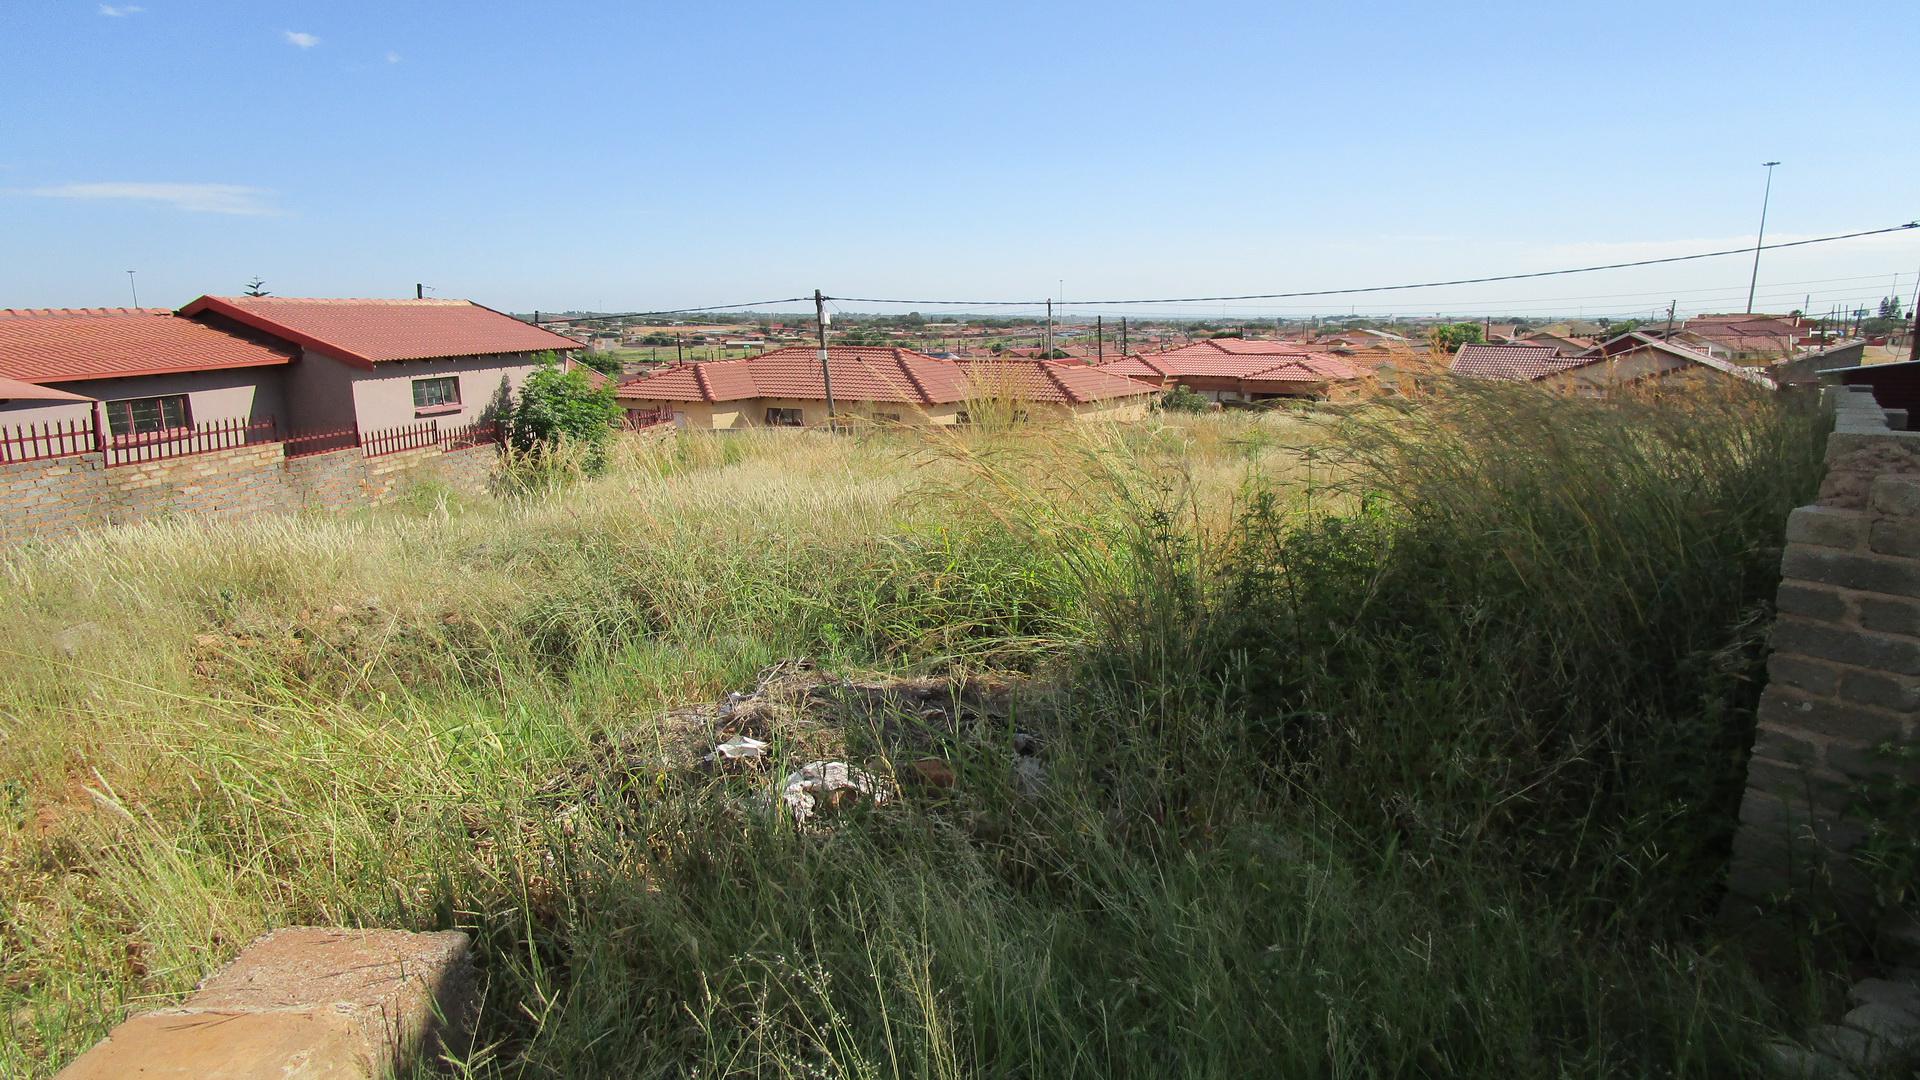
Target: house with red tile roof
{"type": "Point", "coordinates": [1233, 369]}
{"type": "Point", "coordinates": [786, 388]}
{"type": "Point", "coordinates": [144, 370]}
{"type": "Point", "coordinates": [1650, 363]}
{"type": "Point", "coordinates": [1741, 337]}
{"type": "Point", "coordinates": [381, 363]}
{"type": "Point", "coordinates": [279, 364]}
{"type": "Point", "coordinates": [1636, 360]}
{"type": "Point", "coordinates": [1516, 362]}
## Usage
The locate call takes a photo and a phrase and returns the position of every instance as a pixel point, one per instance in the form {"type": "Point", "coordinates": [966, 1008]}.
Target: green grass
{"type": "Point", "coordinates": [1371, 747]}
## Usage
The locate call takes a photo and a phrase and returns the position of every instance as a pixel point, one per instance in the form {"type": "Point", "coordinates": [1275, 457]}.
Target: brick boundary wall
{"type": "Point", "coordinates": [54, 497]}
{"type": "Point", "coordinates": [1844, 674]}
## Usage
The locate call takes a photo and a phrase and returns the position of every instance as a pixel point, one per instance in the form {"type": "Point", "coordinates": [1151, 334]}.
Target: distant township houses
{"type": "Point", "coordinates": [1760, 350]}
{"type": "Point", "coordinates": [1241, 370]}
{"type": "Point", "coordinates": [272, 364]}
{"type": "Point", "coordinates": [787, 388]}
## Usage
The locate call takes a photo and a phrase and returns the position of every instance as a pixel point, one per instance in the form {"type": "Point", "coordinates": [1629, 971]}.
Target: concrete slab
{"type": "Point", "coordinates": [304, 1002]}
{"type": "Point", "coordinates": [303, 1044]}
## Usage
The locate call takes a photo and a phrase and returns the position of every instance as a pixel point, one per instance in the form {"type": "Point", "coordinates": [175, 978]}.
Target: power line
{"type": "Point", "coordinates": [681, 311]}
{"type": "Point", "coordinates": [1395, 288]}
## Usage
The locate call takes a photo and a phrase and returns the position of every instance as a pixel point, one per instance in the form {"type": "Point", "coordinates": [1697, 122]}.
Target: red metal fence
{"type": "Point", "coordinates": [305, 443]}
{"type": "Point", "coordinates": [201, 439]}
{"type": "Point", "coordinates": [36, 442]}
{"type": "Point", "coordinates": [394, 440]}
{"type": "Point", "coordinates": [478, 433]}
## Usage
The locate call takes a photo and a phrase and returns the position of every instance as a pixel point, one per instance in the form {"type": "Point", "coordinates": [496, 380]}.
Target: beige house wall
{"type": "Point", "coordinates": [17, 414]}
{"type": "Point", "coordinates": [252, 394]}
{"type": "Point", "coordinates": [325, 394]}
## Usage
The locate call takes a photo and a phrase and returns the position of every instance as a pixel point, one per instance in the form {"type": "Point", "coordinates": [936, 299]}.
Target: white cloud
{"type": "Point", "coordinates": [392, 57]}
{"type": "Point", "coordinates": [198, 198]}
{"type": "Point", "coordinates": [300, 38]}
{"type": "Point", "coordinates": [120, 11]}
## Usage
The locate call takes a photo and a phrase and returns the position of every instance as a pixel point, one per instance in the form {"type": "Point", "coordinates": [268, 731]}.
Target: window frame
{"type": "Point", "coordinates": [777, 416]}
{"type": "Point", "coordinates": [438, 408]}
{"type": "Point", "coordinates": [120, 408]}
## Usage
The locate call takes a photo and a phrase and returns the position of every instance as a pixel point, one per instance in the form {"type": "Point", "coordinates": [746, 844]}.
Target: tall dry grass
{"type": "Point", "coordinates": [212, 728]}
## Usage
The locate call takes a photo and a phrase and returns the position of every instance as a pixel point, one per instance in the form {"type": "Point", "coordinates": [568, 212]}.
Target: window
{"type": "Point", "coordinates": [962, 417]}
{"type": "Point", "coordinates": [148, 415]}
{"type": "Point", "coordinates": [887, 417]}
{"type": "Point", "coordinates": [436, 395]}
{"type": "Point", "coordinates": [783, 417]}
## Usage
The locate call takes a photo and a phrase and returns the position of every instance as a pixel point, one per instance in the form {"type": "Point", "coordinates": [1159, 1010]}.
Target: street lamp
{"type": "Point", "coordinates": [1754, 283]}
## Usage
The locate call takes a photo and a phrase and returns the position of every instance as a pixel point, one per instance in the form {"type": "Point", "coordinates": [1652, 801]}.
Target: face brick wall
{"type": "Point", "coordinates": [1844, 676]}
{"type": "Point", "coordinates": [47, 498]}
{"type": "Point", "coordinates": [57, 496]}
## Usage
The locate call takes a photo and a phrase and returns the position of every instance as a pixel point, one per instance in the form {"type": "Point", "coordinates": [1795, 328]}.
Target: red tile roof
{"type": "Point", "coordinates": [50, 345]}
{"type": "Point", "coordinates": [367, 332]}
{"type": "Point", "coordinates": [1203, 359]}
{"type": "Point", "coordinates": [1060, 382]}
{"type": "Point", "coordinates": [15, 390]}
{"type": "Point", "coordinates": [860, 373]}
{"type": "Point", "coordinates": [1517, 362]}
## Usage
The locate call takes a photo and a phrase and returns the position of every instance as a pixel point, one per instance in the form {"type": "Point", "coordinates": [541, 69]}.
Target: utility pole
{"type": "Point", "coordinates": [826, 375]}
{"type": "Point", "coordinates": [679, 348]}
{"type": "Point", "coordinates": [1671, 304]}
{"type": "Point", "coordinates": [1123, 337]}
{"type": "Point", "coordinates": [1099, 339]}
{"type": "Point", "coordinates": [1760, 239]}
{"type": "Point", "coordinates": [1048, 354]}
{"type": "Point", "coordinates": [136, 291]}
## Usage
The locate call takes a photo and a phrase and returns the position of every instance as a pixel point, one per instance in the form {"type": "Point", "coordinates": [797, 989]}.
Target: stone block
{"type": "Point", "coordinates": [1813, 601]}
{"type": "Point", "coordinates": [1898, 496]}
{"type": "Point", "coordinates": [1880, 690]}
{"type": "Point", "coordinates": [1825, 717]}
{"type": "Point", "coordinates": [1888, 615]}
{"type": "Point", "coordinates": [1828, 526]}
{"type": "Point", "coordinates": [1899, 994]}
{"type": "Point", "coordinates": [1895, 536]}
{"type": "Point", "coordinates": [1850, 570]}
{"type": "Point", "coordinates": [1848, 646]}
{"type": "Point", "coordinates": [302, 1044]}
{"type": "Point", "coordinates": [303, 1002]}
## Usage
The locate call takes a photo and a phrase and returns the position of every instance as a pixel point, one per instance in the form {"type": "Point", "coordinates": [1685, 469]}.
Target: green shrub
{"type": "Point", "coordinates": [1182, 400]}
{"type": "Point", "coordinates": [558, 407]}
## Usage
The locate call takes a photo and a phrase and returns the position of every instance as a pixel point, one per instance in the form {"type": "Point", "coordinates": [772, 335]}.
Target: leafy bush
{"type": "Point", "coordinates": [556, 408]}
{"type": "Point", "coordinates": [1182, 400]}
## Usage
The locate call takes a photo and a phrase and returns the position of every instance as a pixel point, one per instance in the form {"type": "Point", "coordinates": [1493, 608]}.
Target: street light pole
{"type": "Point", "coordinates": [1754, 282]}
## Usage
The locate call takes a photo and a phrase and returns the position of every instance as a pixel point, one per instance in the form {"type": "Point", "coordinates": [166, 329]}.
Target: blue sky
{"type": "Point", "coordinates": [634, 155]}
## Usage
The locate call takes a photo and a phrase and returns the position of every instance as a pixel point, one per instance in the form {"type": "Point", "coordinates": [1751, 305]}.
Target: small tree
{"type": "Point", "coordinates": [1448, 337]}
{"type": "Point", "coordinates": [605, 362]}
{"type": "Point", "coordinates": [257, 287]}
{"type": "Point", "coordinates": [559, 408]}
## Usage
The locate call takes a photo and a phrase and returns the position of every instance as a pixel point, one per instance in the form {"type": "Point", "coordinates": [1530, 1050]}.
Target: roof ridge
{"type": "Point", "coordinates": [56, 313]}
{"type": "Point", "coordinates": [913, 377]}
{"type": "Point", "coordinates": [1051, 371]}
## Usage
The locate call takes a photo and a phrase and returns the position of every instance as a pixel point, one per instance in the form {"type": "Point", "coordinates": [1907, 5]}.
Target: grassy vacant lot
{"type": "Point", "coordinates": [1404, 744]}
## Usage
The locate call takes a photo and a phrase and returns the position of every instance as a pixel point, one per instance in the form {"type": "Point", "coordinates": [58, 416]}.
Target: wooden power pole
{"type": "Point", "coordinates": [826, 373]}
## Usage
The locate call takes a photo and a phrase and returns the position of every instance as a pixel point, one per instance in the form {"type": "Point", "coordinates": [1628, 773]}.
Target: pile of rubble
{"type": "Point", "coordinates": [901, 731]}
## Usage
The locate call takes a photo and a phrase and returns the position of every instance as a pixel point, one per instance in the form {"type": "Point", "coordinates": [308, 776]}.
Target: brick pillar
{"type": "Point", "coordinates": [1844, 676]}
